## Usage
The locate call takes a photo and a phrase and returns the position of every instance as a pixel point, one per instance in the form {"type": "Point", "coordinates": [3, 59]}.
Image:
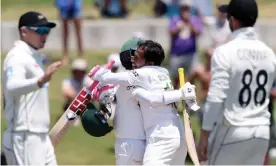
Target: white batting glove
{"type": "Point", "coordinates": [188, 92]}
{"type": "Point", "coordinates": [97, 72]}
{"type": "Point", "coordinates": [189, 96]}
{"type": "Point", "coordinates": [104, 93]}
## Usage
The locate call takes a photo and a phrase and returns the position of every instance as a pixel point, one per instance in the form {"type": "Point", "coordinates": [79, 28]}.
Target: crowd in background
{"type": "Point", "coordinates": [187, 20]}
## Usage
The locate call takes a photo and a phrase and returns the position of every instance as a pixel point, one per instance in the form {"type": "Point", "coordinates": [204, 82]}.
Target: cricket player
{"type": "Point", "coordinates": [25, 84]}
{"type": "Point", "coordinates": [130, 145]}
{"type": "Point", "coordinates": [243, 71]}
{"type": "Point", "coordinates": [127, 122]}
{"type": "Point", "coordinates": [163, 127]}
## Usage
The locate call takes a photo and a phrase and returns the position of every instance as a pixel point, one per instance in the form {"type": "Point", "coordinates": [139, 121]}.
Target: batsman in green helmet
{"type": "Point", "coordinates": [128, 125]}
{"type": "Point", "coordinates": [155, 119]}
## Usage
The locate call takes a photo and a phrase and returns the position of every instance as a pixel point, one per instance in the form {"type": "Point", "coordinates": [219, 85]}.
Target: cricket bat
{"type": "Point", "coordinates": [76, 108]}
{"type": "Point", "coordinates": [188, 130]}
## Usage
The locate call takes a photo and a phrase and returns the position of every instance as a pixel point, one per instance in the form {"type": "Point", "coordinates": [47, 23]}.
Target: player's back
{"type": "Point", "coordinates": [127, 121]}
{"type": "Point", "coordinates": [161, 121]}
{"type": "Point", "coordinates": [251, 69]}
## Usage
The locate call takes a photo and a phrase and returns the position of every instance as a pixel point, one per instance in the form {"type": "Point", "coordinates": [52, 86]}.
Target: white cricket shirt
{"type": "Point", "coordinates": [26, 105]}
{"type": "Point", "coordinates": [162, 121]}
{"type": "Point", "coordinates": [243, 71]}
{"type": "Point", "coordinates": [127, 122]}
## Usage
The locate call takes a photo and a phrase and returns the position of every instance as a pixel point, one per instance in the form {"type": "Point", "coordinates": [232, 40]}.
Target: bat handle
{"type": "Point", "coordinates": [181, 76]}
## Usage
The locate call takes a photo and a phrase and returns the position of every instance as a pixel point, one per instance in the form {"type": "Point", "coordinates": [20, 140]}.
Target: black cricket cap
{"type": "Point", "coordinates": [34, 19]}
{"type": "Point", "coordinates": [245, 11]}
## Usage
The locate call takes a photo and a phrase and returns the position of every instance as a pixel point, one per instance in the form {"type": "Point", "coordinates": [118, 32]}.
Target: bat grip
{"type": "Point", "coordinates": [181, 76]}
{"type": "Point", "coordinates": [95, 83]}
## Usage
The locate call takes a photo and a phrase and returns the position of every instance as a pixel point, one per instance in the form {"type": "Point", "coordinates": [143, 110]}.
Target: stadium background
{"type": "Point", "coordinates": [78, 148]}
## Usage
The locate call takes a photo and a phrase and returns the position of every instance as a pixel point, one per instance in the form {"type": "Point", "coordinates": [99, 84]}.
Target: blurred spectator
{"type": "Point", "coordinates": [112, 8]}
{"type": "Point", "coordinates": [184, 30]}
{"type": "Point", "coordinates": [201, 75]}
{"type": "Point", "coordinates": [160, 8]}
{"type": "Point", "coordinates": [204, 6]}
{"type": "Point", "coordinates": [72, 86]}
{"type": "Point", "coordinates": [70, 10]}
{"type": "Point", "coordinates": [220, 31]}
{"type": "Point", "coordinates": [171, 8]}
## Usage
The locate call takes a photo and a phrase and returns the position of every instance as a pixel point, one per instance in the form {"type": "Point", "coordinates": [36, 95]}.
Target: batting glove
{"type": "Point", "coordinates": [104, 93]}
{"type": "Point", "coordinates": [189, 96]}
{"type": "Point", "coordinates": [188, 92]}
{"type": "Point", "coordinates": [97, 72]}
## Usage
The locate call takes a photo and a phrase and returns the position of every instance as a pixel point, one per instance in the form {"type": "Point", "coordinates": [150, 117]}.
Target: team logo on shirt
{"type": "Point", "coordinates": [135, 73]}
{"type": "Point", "coordinates": [130, 87]}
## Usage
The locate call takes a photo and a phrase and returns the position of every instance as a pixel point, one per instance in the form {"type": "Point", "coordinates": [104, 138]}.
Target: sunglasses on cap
{"type": "Point", "coordinates": [40, 30]}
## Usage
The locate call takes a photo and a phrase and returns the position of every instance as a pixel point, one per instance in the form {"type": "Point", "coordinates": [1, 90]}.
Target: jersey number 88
{"type": "Point", "coordinates": [246, 88]}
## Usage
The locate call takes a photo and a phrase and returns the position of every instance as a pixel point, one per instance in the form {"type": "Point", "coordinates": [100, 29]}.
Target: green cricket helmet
{"type": "Point", "coordinates": [127, 50]}
{"type": "Point", "coordinates": [94, 121]}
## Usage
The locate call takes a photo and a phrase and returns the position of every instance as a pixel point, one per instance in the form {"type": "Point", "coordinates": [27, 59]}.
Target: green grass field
{"type": "Point", "coordinates": [77, 147]}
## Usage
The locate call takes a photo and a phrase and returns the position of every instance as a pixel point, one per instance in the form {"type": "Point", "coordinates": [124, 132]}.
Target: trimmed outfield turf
{"type": "Point", "coordinates": [77, 147]}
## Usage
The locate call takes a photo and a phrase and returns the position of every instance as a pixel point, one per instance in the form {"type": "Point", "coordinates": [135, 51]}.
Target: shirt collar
{"type": "Point", "coordinates": [26, 47]}
{"type": "Point", "coordinates": [245, 33]}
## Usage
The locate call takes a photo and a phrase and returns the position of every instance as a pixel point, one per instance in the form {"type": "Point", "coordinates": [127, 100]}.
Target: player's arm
{"type": "Point", "coordinates": [156, 99]}
{"type": "Point", "coordinates": [105, 76]}
{"type": "Point", "coordinates": [16, 76]}
{"type": "Point", "coordinates": [217, 90]}
{"type": "Point", "coordinates": [17, 83]}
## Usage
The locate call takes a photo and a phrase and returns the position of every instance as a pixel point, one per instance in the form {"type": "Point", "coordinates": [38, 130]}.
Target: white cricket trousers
{"type": "Point", "coordinates": [165, 151]}
{"type": "Point", "coordinates": [233, 145]}
{"type": "Point", "coordinates": [129, 151]}
{"type": "Point", "coordinates": [26, 148]}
